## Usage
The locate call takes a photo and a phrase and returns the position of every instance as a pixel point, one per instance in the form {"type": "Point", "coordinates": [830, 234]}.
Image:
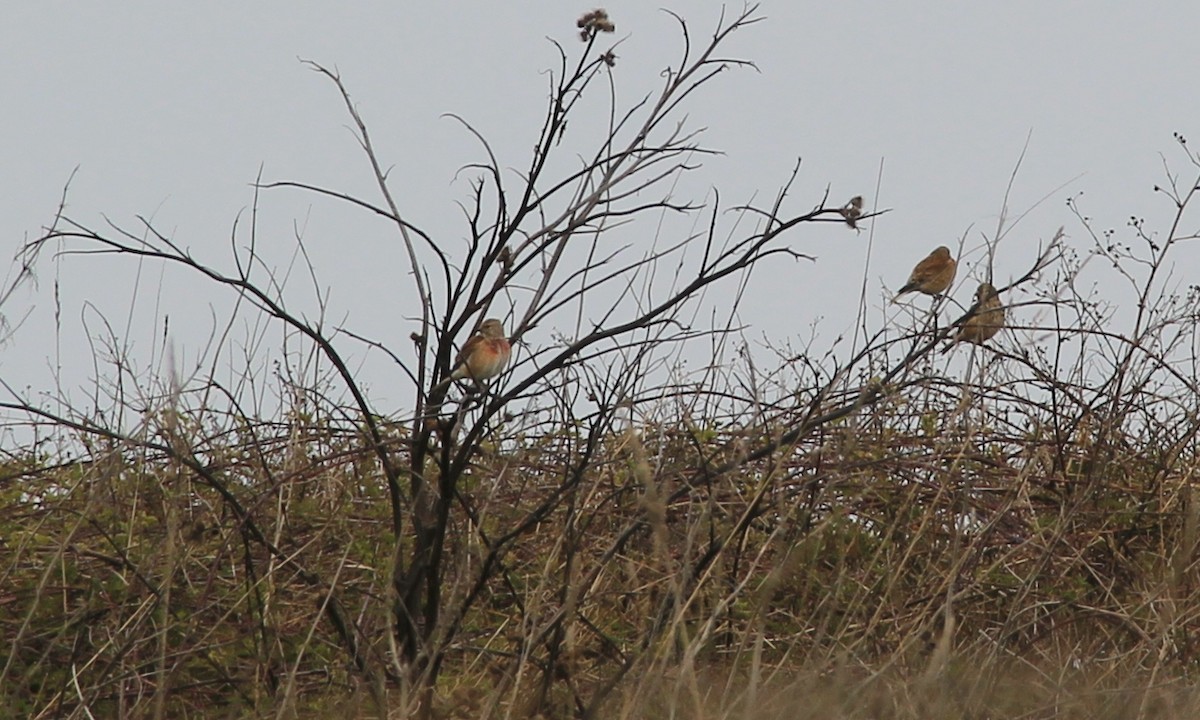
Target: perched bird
{"type": "Point", "coordinates": [932, 275]}
{"type": "Point", "coordinates": [484, 356]}
{"type": "Point", "coordinates": [987, 320]}
{"type": "Point", "coordinates": [852, 211]}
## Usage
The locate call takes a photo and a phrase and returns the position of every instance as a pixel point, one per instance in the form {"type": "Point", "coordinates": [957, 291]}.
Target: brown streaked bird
{"type": "Point", "coordinates": [852, 211]}
{"type": "Point", "coordinates": [932, 275]}
{"type": "Point", "coordinates": [987, 320]}
{"type": "Point", "coordinates": [484, 356]}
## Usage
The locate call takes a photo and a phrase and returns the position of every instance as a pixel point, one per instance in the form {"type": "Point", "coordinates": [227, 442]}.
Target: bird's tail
{"type": "Point", "coordinates": [903, 291]}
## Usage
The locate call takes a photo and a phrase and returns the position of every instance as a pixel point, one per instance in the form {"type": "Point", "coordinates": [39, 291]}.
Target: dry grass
{"type": "Point", "coordinates": [816, 583]}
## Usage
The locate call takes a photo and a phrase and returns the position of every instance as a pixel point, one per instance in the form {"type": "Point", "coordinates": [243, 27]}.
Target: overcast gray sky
{"type": "Point", "coordinates": [169, 110]}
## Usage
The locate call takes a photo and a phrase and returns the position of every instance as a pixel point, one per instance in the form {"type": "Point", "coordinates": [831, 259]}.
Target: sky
{"type": "Point", "coordinates": [170, 112]}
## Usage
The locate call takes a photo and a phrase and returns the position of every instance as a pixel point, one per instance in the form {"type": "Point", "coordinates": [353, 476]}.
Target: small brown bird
{"type": "Point", "coordinates": [852, 211]}
{"type": "Point", "coordinates": [484, 356]}
{"type": "Point", "coordinates": [932, 275]}
{"type": "Point", "coordinates": [987, 320]}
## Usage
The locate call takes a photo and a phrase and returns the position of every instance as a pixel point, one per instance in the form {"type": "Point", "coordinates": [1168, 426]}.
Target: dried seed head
{"type": "Point", "coordinates": [590, 18]}
{"type": "Point", "coordinates": [593, 22]}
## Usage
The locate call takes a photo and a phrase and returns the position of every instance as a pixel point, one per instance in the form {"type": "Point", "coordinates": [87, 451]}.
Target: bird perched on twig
{"type": "Point", "coordinates": [852, 211]}
{"type": "Point", "coordinates": [484, 356]}
{"type": "Point", "coordinates": [987, 320]}
{"type": "Point", "coordinates": [932, 275]}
